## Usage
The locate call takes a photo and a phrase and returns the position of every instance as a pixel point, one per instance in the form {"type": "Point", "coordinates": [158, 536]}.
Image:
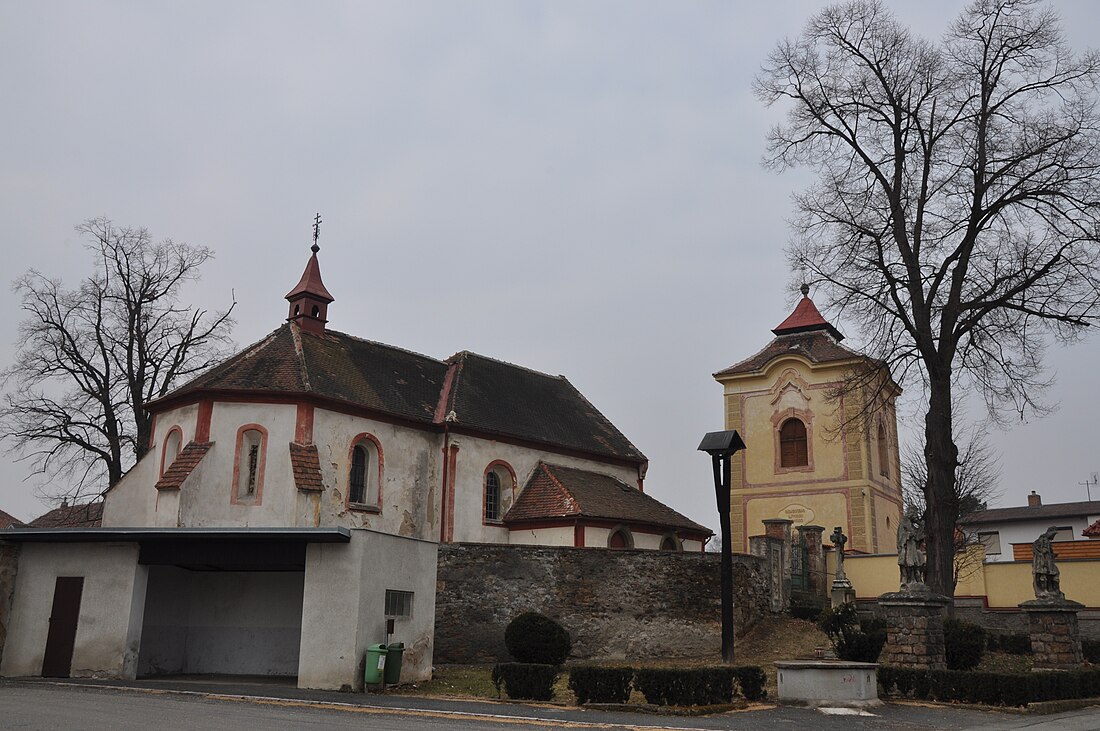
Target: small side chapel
{"type": "Point", "coordinates": [817, 453]}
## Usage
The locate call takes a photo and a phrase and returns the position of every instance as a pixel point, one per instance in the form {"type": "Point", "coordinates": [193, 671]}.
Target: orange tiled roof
{"type": "Point", "coordinates": [186, 461]}
{"type": "Point", "coordinates": [306, 464]}
{"type": "Point", "coordinates": [83, 515]}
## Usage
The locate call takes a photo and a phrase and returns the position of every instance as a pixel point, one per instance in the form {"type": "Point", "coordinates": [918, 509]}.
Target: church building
{"type": "Point", "coordinates": [820, 431]}
{"type": "Point", "coordinates": [288, 513]}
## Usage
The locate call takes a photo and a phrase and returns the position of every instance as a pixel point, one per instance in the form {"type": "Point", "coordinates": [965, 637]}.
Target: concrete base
{"type": "Point", "coordinates": [835, 683]}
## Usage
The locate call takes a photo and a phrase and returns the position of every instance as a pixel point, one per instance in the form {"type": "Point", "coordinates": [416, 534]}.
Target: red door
{"type": "Point", "coordinates": [58, 658]}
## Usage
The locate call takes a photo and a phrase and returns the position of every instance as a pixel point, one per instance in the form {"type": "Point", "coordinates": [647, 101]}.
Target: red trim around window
{"type": "Point", "coordinates": [262, 461]}
{"type": "Point", "coordinates": [484, 476]}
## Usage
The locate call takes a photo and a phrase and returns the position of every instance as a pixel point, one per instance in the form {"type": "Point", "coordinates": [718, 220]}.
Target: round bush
{"type": "Point", "coordinates": [535, 638]}
{"type": "Point", "coordinates": [964, 644]}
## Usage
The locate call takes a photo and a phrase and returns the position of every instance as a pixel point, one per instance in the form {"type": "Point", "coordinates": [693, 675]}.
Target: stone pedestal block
{"type": "Point", "coordinates": [842, 593]}
{"type": "Point", "coordinates": [1055, 637]}
{"type": "Point", "coordinates": [914, 629]}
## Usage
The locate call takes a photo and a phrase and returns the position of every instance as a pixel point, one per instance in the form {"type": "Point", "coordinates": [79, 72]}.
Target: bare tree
{"type": "Point", "coordinates": [975, 487]}
{"type": "Point", "coordinates": [956, 213]}
{"type": "Point", "coordinates": [93, 356]}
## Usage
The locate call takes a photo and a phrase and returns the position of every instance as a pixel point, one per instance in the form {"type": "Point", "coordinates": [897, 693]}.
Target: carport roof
{"type": "Point", "coordinates": [176, 535]}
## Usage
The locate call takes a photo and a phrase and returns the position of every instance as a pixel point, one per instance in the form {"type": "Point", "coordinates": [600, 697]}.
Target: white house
{"type": "Point", "coordinates": [292, 501]}
{"type": "Point", "coordinates": [998, 529]}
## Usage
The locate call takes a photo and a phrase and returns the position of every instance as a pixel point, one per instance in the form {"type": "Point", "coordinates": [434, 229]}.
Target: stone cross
{"type": "Point", "coordinates": [839, 539]}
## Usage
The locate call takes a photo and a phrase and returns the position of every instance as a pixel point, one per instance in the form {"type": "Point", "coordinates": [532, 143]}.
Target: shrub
{"type": "Point", "coordinates": [529, 681]}
{"type": "Point", "coordinates": [963, 644]}
{"type": "Point", "coordinates": [1014, 644]}
{"type": "Point", "coordinates": [849, 640]}
{"type": "Point", "coordinates": [600, 685]}
{"type": "Point", "coordinates": [686, 687]}
{"type": "Point", "coordinates": [535, 638]}
{"type": "Point", "coordinates": [1091, 650]}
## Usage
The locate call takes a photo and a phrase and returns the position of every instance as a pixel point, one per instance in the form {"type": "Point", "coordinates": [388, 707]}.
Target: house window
{"type": "Point", "coordinates": [492, 496]}
{"type": "Point", "coordinates": [883, 452]}
{"type": "Point", "coordinates": [792, 444]}
{"type": "Point", "coordinates": [358, 481]}
{"type": "Point", "coordinates": [248, 467]}
{"type": "Point", "coordinates": [173, 443]}
{"type": "Point", "coordinates": [620, 538]}
{"type": "Point", "coordinates": [1065, 533]}
{"type": "Point", "coordinates": [671, 543]}
{"type": "Point", "coordinates": [991, 541]}
{"type": "Point", "coordinates": [399, 604]}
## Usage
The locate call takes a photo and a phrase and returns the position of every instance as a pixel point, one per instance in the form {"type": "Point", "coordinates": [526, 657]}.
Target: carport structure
{"type": "Point", "coordinates": [123, 602]}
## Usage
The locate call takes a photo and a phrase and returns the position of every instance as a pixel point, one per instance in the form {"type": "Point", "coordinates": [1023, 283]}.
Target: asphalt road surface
{"type": "Point", "coordinates": [43, 705]}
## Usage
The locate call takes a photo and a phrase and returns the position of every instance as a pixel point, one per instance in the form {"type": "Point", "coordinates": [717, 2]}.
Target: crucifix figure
{"type": "Point", "coordinates": [316, 233]}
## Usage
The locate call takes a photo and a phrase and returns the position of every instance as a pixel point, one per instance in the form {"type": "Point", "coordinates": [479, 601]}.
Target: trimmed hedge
{"type": "Point", "coordinates": [994, 689]}
{"type": "Point", "coordinates": [600, 685]}
{"type": "Point", "coordinates": [526, 680]}
{"type": "Point", "coordinates": [964, 644]}
{"type": "Point", "coordinates": [700, 686]}
{"type": "Point", "coordinates": [535, 638]}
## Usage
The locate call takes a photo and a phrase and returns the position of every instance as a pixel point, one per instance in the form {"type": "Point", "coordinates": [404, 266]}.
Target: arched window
{"type": "Point", "coordinates": [792, 444]}
{"type": "Point", "coordinates": [671, 543]}
{"type": "Point", "coordinates": [620, 538]}
{"type": "Point", "coordinates": [492, 496]}
{"type": "Point", "coordinates": [248, 464]}
{"type": "Point", "coordinates": [500, 485]}
{"type": "Point", "coordinates": [883, 452]}
{"type": "Point", "coordinates": [365, 473]}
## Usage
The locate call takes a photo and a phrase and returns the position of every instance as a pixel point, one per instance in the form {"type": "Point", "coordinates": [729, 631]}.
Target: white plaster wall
{"type": "Point", "coordinates": [410, 477]}
{"type": "Point", "coordinates": [344, 607]}
{"type": "Point", "coordinates": [234, 623]}
{"type": "Point", "coordinates": [207, 502]}
{"type": "Point", "coordinates": [543, 537]}
{"type": "Point", "coordinates": [1026, 531]}
{"type": "Point", "coordinates": [475, 454]}
{"type": "Point", "coordinates": [111, 608]}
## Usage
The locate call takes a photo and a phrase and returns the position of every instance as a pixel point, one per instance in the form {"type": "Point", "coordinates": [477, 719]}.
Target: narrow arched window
{"type": "Point", "coordinates": [669, 543]}
{"type": "Point", "coordinates": [358, 482]}
{"type": "Point", "coordinates": [492, 495]}
{"type": "Point", "coordinates": [620, 538]}
{"type": "Point", "coordinates": [249, 464]}
{"type": "Point", "coordinates": [792, 444]}
{"type": "Point", "coordinates": [883, 452]}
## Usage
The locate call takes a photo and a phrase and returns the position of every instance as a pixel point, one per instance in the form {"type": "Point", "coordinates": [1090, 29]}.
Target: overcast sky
{"type": "Point", "coordinates": [572, 186]}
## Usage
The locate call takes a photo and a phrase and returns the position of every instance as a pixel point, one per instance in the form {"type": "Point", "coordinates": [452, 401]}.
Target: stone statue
{"type": "Point", "coordinates": [911, 559]}
{"type": "Point", "coordinates": [1044, 572]}
{"type": "Point", "coordinates": [839, 539]}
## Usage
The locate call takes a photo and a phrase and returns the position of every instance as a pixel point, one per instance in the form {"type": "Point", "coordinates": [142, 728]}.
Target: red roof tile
{"type": "Point", "coordinates": [186, 461]}
{"type": "Point", "coordinates": [306, 464]}
{"type": "Point", "coordinates": [554, 491]}
{"type": "Point", "coordinates": [7, 521]}
{"type": "Point", "coordinates": [311, 283]}
{"type": "Point", "coordinates": [1093, 531]}
{"type": "Point", "coordinates": [83, 515]}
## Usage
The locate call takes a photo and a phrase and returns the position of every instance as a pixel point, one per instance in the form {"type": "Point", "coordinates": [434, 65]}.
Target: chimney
{"type": "Point", "coordinates": [1033, 500]}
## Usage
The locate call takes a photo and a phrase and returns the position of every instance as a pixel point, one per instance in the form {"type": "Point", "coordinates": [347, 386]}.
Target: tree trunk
{"type": "Point", "coordinates": [941, 458]}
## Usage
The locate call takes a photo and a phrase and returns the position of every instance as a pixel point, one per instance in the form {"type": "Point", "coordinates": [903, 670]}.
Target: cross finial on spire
{"type": "Point", "coordinates": [316, 233]}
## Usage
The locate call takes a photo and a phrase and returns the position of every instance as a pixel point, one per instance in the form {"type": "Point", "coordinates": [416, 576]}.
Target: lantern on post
{"type": "Point", "coordinates": [721, 446]}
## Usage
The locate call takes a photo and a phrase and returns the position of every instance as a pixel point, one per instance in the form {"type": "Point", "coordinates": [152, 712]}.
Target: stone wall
{"type": "Point", "coordinates": [615, 604]}
{"type": "Point", "coordinates": [9, 566]}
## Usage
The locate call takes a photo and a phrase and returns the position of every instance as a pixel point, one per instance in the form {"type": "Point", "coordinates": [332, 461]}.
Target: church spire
{"type": "Point", "coordinates": [309, 300]}
{"type": "Point", "coordinates": [806, 318]}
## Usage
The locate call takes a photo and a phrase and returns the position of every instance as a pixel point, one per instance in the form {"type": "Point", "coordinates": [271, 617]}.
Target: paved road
{"type": "Point", "coordinates": [45, 705]}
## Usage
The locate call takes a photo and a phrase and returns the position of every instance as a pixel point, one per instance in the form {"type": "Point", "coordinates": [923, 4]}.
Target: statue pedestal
{"type": "Point", "coordinates": [1055, 637]}
{"type": "Point", "coordinates": [842, 593]}
{"type": "Point", "coordinates": [914, 629]}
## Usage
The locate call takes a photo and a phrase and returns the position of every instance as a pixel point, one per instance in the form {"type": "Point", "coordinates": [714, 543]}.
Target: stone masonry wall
{"type": "Point", "coordinates": [615, 604]}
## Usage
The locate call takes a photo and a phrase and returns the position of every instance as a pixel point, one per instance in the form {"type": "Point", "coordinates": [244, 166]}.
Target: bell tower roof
{"type": "Point", "coordinates": [311, 283]}
{"type": "Point", "coordinates": [309, 300]}
{"type": "Point", "coordinates": [806, 318]}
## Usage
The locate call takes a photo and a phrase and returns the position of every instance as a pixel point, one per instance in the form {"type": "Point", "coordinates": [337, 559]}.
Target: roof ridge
{"type": "Point", "coordinates": [547, 469]}
{"type": "Point", "coordinates": [296, 336]}
{"type": "Point", "coordinates": [544, 374]}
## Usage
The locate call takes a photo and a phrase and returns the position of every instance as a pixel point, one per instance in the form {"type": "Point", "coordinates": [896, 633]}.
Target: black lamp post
{"type": "Point", "coordinates": [721, 445]}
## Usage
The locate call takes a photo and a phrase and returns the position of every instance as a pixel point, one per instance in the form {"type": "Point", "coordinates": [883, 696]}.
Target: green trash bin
{"type": "Point", "coordinates": [393, 662]}
{"type": "Point", "coordinates": [376, 664]}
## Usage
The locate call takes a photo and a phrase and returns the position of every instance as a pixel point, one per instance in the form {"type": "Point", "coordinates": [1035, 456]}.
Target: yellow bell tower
{"type": "Point", "coordinates": [820, 449]}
